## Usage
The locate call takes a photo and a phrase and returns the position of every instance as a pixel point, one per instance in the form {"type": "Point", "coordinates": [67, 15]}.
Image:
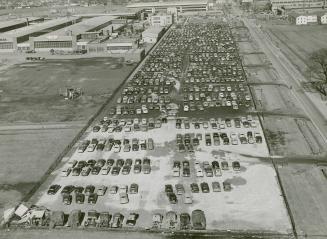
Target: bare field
{"type": "Point", "coordinates": [312, 37]}
{"type": "Point", "coordinates": [284, 136]}
{"type": "Point", "coordinates": [25, 156]}
{"type": "Point", "coordinates": [306, 192]}
{"type": "Point", "coordinates": [31, 90]}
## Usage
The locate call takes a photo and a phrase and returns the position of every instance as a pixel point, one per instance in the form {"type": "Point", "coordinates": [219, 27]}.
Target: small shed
{"type": "Point", "coordinates": [57, 218]}
{"type": "Point", "coordinates": [74, 218]}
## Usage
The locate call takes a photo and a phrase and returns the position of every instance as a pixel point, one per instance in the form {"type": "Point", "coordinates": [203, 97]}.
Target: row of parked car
{"type": "Point", "coordinates": [212, 123]}
{"type": "Point", "coordinates": [104, 167]}
{"type": "Point", "coordinates": [203, 168]}
{"type": "Point", "coordinates": [194, 187]}
{"type": "Point", "coordinates": [79, 193]}
{"type": "Point", "coordinates": [116, 145]}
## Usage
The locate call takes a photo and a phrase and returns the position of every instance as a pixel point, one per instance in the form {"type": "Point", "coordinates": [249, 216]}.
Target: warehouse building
{"type": "Point", "coordinates": [13, 24]}
{"type": "Point", "coordinates": [181, 6]}
{"type": "Point", "coordinates": [66, 38]}
{"type": "Point", "coordinates": [152, 34]}
{"type": "Point", "coordinates": [161, 20]}
{"type": "Point", "coordinates": [280, 6]}
{"type": "Point", "coordinates": [18, 39]}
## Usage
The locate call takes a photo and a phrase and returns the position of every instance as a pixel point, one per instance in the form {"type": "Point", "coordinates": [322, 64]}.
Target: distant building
{"type": "Point", "coordinates": [152, 34]}
{"type": "Point", "coordinates": [323, 19]}
{"type": "Point", "coordinates": [280, 6]}
{"type": "Point", "coordinates": [309, 18]}
{"type": "Point", "coordinates": [182, 6]}
{"type": "Point", "coordinates": [161, 20]}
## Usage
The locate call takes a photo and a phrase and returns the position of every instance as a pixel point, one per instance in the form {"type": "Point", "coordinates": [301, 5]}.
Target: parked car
{"type": "Point", "coordinates": [198, 220]}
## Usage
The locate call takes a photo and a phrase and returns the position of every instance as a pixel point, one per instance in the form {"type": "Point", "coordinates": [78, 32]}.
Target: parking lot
{"type": "Point", "coordinates": [179, 149]}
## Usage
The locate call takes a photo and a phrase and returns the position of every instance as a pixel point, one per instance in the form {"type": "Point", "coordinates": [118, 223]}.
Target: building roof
{"type": "Point", "coordinates": [37, 27]}
{"type": "Point", "coordinates": [317, 13]}
{"type": "Point", "coordinates": [155, 30]}
{"type": "Point", "coordinates": [13, 22]}
{"type": "Point", "coordinates": [168, 4]}
{"type": "Point", "coordinates": [81, 27]}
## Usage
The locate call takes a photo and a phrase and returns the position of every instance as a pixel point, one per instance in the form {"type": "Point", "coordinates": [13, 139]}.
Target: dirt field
{"type": "Point", "coordinates": [306, 193]}
{"type": "Point", "coordinates": [296, 37]}
{"type": "Point", "coordinates": [284, 136]}
{"type": "Point", "coordinates": [31, 90]}
{"type": "Point", "coordinates": [25, 156]}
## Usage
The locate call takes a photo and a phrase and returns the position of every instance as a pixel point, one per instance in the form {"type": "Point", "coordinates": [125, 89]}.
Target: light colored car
{"type": "Point", "coordinates": [65, 172]}
{"type": "Point", "coordinates": [123, 189]}
{"type": "Point", "coordinates": [113, 189]}
{"type": "Point", "coordinates": [116, 148]}
{"type": "Point", "coordinates": [176, 172]}
{"type": "Point", "coordinates": [123, 198]}
{"type": "Point", "coordinates": [101, 190]}
{"type": "Point", "coordinates": [188, 198]}
{"type": "Point", "coordinates": [199, 172]}
{"type": "Point", "coordinates": [105, 170]}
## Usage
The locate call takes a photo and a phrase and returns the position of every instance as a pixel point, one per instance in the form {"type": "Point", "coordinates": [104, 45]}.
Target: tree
{"type": "Point", "coordinates": [317, 67]}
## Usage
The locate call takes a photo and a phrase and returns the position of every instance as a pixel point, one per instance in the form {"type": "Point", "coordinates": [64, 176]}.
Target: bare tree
{"type": "Point", "coordinates": [317, 67]}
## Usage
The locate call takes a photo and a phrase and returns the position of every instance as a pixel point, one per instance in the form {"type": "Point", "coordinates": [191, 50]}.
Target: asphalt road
{"type": "Point", "coordinates": [290, 75]}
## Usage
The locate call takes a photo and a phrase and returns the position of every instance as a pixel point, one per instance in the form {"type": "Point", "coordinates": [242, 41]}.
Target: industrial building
{"type": "Point", "coordinates": [181, 6]}
{"type": "Point", "coordinates": [18, 39]}
{"type": "Point", "coordinates": [280, 6]}
{"type": "Point", "coordinates": [152, 34]}
{"type": "Point", "coordinates": [66, 38]}
{"type": "Point", "coordinates": [13, 24]}
{"type": "Point", "coordinates": [308, 18]}
{"type": "Point", "coordinates": [161, 20]}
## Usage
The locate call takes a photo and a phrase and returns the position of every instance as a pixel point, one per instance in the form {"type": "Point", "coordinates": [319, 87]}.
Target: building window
{"type": "Point", "coordinates": [53, 44]}
{"type": "Point", "coordinates": [6, 45]}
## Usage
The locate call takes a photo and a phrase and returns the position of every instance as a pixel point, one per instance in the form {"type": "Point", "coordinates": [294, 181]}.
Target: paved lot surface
{"type": "Point", "coordinates": [306, 192]}
{"type": "Point", "coordinates": [241, 209]}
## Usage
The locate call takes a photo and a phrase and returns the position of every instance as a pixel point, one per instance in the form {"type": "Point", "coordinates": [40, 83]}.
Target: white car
{"type": "Point", "coordinates": [116, 148]}
{"type": "Point", "coordinates": [229, 88]}
{"type": "Point", "coordinates": [188, 198]}
{"type": "Point", "coordinates": [247, 97]}
{"type": "Point", "coordinates": [105, 170]}
{"type": "Point", "coordinates": [136, 121]}
{"type": "Point", "coordinates": [128, 129]}
{"type": "Point", "coordinates": [212, 120]}
{"type": "Point", "coordinates": [145, 110]}
{"type": "Point", "coordinates": [111, 129]}
{"type": "Point", "coordinates": [186, 108]}
{"type": "Point", "coordinates": [199, 172]}
{"type": "Point", "coordinates": [253, 124]}
{"type": "Point", "coordinates": [65, 172]}
{"type": "Point", "coordinates": [176, 172]}
{"type": "Point", "coordinates": [228, 103]}
{"type": "Point", "coordinates": [138, 111]}
{"type": "Point", "coordinates": [123, 189]}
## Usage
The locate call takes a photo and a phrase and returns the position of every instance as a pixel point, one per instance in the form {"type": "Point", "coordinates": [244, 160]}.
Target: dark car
{"type": "Point", "coordinates": [198, 220]}
{"type": "Point", "coordinates": [93, 197]}
{"type": "Point", "coordinates": [91, 162]}
{"type": "Point", "coordinates": [184, 221]}
{"type": "Point", "coordinates": [53, 189]}
{"type": "Point", "coordinates": [115, 170]}
{"type": "Point", "coordinates": [89, 189]}
{"type": "Point", "coordinates": [95, 170]}
{"type": "Point", "coordinates": [169, 188]}
{"type": "Point", "coordinates": [126, 169]}
{"type": "Point", "coordinates": [134, 188]}
{"type": "Point", "coordinates": [67, 199]}
{"type": "Point", "coordinates": [110, 162]}
{"type": "Point", "coordinates": [129, 162]}
{"type": "Point", "coordinates": [195, 188]}
{"type": "Point", "coordinates": [67, 189]}
{"type": "Point", "coordinates": [78, 189]}
{"type": "Point", "coordinates": [172, 198]}
{"type": "Point", "coordinates": [131, 219]}
{"type": "Point", "coordinates": [215, 164]}
{"type": "Point", "coordinates": [81, 164]}
{"type": "Point", "coordinates": [227, 186]}
{"type": "Point", "coordinates": [76, 171]}
{"type": "Point", "coordinates": [204, 187]}
{"type": "Point", "coordinates": [186, 172]}
{"type": "Point", "coordinates": [80, 198]}
{"type": "Point", "coordinates": [146, 161]}
{"type": "Point", "coordinates": [236, 166]}
{"type": "Point", "coordinates": [120, 163]}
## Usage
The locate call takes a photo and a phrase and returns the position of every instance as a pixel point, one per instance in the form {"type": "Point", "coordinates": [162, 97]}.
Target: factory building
{"type": "Point", "coordinates": [280, 6]}
{"type": "Point", "coordinates": [161, 20]}
{"type": "Point", "coordinates": [18, 39]}
{"type": "Point", "coordinates": [181, 6]}
{"type": "Point", "coordinates": [66, 39]}
{"type": "Point", "coordinates": [152, 34]}
{"type": "Point", "coordinates": [13, 24]}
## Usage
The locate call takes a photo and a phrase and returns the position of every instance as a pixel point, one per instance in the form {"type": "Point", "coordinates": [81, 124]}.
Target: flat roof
{"type": "Point", "coordinates": [81, 27]}
{"type": "Point", "coordinates": [153, 30]}
{"type": "Point", "coordinates": [166, 4]}
{"type": "Point", "coordinates": [37, 27]}
{"type": "Point", "coordinates": [13, 22]}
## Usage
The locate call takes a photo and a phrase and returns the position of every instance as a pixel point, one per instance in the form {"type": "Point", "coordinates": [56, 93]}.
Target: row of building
{"type": "Point", "coordinates": [308, 18]}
